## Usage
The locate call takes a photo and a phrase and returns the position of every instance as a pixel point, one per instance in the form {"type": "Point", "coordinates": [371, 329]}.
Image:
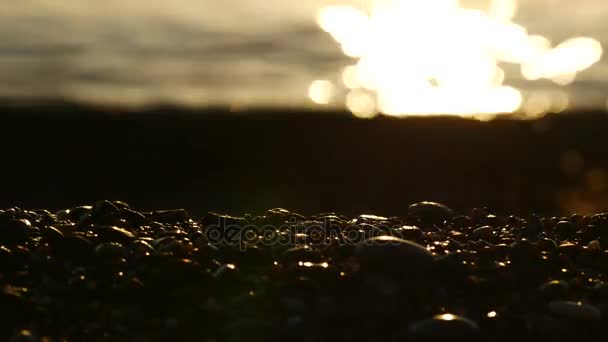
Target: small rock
{"type": "Point", "coordinates": [594, 246]}
{"type": "Point", "coordinates": [15, 231]}
{"type": "Point", "coordinates": [113, 234]}
{"type": "Point", "coordinates": [484, 233]}
{"type": "Point", "coordinates": [555, 290]}
{"type": "Point", "coordinates": [575, 311]}
{"type": "Point", "coordinates": [110, 253]}
{"type": "Point", "coordinates": [168, 216]}
{"type": "Point", "coordinates": [446, 325]}
{"type": "Point", "coordinates": [223, 221]}
{"type": "Point", "coordinates": [430, 212]}
{"type": "Point", "coordinates": [52, 234]}
{"type": "Point", "coordinates": [410, 233]}
{"type": "Point", "coordinates": [391, 255]}
{"type": "Point", "coordinates": [565, 230]}
{"type": "Point", "coordinates": [568, 248]}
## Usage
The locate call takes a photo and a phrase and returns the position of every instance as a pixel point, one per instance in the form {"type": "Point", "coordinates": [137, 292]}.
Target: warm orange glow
{"type": "Point", "coordinates": [424, 57]}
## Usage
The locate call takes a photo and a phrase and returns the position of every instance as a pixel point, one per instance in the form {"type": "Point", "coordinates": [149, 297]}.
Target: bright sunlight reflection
{"type": "Point", "coordinates": [423, 57]}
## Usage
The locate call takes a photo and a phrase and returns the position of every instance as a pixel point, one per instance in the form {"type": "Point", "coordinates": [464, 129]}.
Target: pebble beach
{"type": "Point", "coordinates": [106, 271]}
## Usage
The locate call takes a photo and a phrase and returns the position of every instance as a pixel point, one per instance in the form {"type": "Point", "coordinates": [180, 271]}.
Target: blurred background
{"type": "Point", "coordinates": [242, 105]}
{"type": "Point", "coordinates": [239, 53]}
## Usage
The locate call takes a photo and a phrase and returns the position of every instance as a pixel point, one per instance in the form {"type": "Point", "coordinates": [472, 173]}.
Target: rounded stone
{"type": "Point", "coordinates": [140, 248]}
{"type": "Point", "coordinates": [113, 234]}
{"type": "Point", "coordinates": [430, 212]}
{"type": "Point", "coordinates": [410, 233]}
{"type": "Point", "coordinates": [565, 229]}
{"type": "Point", "coordinates": [52, 234]}
{"type": "Point", "coordinates": [391, 255]}
{"type": "Point", "coordinates": [555, 290]}
{"type": "Point", "coordinates": [15, 231]}
{"type": "Point", "coordinates": [547, 245]}
{"type": "Point", "coordinates": [110, 252]}
{"type": "Point", "coordinates": [75, 247]}
{"type": "Point", "coordinates": [445, 325]}
{"type": "Point", "coordinates": [484, 233]}
{"type": "Point", "coordinates": [575, 311]}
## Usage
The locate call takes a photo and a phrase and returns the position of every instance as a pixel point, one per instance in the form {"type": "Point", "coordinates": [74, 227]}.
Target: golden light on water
{"type": "Point", "coordinates": [425, 57]}
{"type": "Point", "coordinates": [321, 91]}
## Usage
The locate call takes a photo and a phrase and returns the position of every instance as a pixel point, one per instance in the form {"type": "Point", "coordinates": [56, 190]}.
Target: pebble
{"type": "Point", "coordinates": [555, 290]}
{"type": "Point", "coordinates": [15, 231]}
{"type": "Point", "coordinates": [445, 325]}
{"type": "Point", "coordinates": [110, 252]}
{"type": "Point", "coordinates": [392, 255]}
{"type": "Point", "coordinates": [431, 212]}
{"type": "Point", "coordinates": [484, 233]}
{"type": "Point", "coordinates": [575, 311]}
{"type": "Point", "coordinates": [565, 230]}
{"type": "Point", "coordinates": [168, 216]}
{"type": "Point", "coordinates": [113, 234]}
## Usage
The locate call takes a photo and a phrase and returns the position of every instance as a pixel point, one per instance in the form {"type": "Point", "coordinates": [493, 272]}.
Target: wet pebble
{"type": "Point", "coordinates": [110, 253]}
{"type": "Point", "coordinates": [430, 212]}
{"type": "Point", "coordinates": [168, 216]}
{"type": "Point", "coordinates": [484, 233]}
{"type": "Point", "coordinates": [391, 255]}
{"type": "Point", "coordinates": [445, 325]}
{"type": "Point", "coordinates": [575, 311]}
{"type": "Point", "coordinates": [113, 234]}
{"type": "Point", "coordinates": [555, 290]}
{"type": "Point", "coordinates": [15, 231]}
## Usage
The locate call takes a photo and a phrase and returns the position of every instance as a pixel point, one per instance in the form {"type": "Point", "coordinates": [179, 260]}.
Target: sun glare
{"type": "Point", "coordinates": [425, 57]}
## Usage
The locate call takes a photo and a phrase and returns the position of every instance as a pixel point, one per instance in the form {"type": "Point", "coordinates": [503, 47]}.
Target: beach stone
{"type": "Point", "coordinates": [565, 230]}
{"type": "Point", "coordinates": [113, 234]}
{"type": "Point", "coordinates": [140, 248]}
{"type": "Point", "coordinates": [445, 325]}
{"type": "Point", "coordinates": [15, 231]}
{"type": "Point", "coordinates": [52, 235]}
{"type": "Point", "coordinates": [103, 213]}
{"type": "Point", "coordinates": [75, 213]}
{"type": "Point", "coordinates": [280, 216]}
{"type": "Point", "coordinates": [410, 233]}
{"type": "Point", "coordinates": [431, 212]}
{"type": "Point", "coordinates": [172, 246]}
{"type": "Point", "coordinates": [555, 290]}
{"type": "Point", "coordinates": [134, 218]}
{"type": "Point", "coordinates": [575, 311]}
{"type": "Point", "coordinates": [168, 216]}
{"type": "Point", "coordinates": [484, 233]}
{"type": "Point", "coordinates": [524, 251]}
{"type": "Point", "coordinates": [301, 253]}
{"type": "Point", "coordinates": [532, 228]}
{"type": "Point", "coordinates": [594, 246]}
{"type": "Point", "coordinates": [110, 252]}
{"type": "Point", "coordinates": [568, 248]}
{"type": "Point", "coordinates": [222, 221]}
{"type": "Point", "coordinates": [75, 247]}
{"type": "Point", "coordinates": [547, 245]}
{"type": "Point", "coordinates": [9, 214]}
{"type": "Point", "coordinates": [391, 255]}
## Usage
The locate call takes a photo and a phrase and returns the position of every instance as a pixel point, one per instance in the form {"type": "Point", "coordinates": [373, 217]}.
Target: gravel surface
{"type": "Point", "coordinates": [109, 272]}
